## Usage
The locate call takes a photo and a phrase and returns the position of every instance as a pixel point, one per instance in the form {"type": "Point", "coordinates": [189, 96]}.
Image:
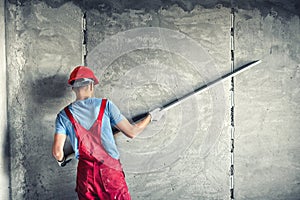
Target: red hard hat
{"type": "Point", "coordinates": [82, 72]}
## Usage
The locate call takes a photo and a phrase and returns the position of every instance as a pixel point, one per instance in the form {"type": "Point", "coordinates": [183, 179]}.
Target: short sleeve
{"type": "Point", "coordinates": [59, 125]}
{"type": "Point", "coordinates": [114, 113]}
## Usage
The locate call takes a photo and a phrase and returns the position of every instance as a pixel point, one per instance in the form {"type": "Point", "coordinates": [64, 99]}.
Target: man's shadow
{"type": "Point", "coordinates": [50, 95]}
{"type": "Point", "coordinates": [50, 88]}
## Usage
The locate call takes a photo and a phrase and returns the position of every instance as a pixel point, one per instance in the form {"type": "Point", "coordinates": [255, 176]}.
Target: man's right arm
{"type": "Point", "coordinates": [132, 130]}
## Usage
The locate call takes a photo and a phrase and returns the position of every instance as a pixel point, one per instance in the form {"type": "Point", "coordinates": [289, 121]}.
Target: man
{"type": "Point", "coordinates": [87, 122]}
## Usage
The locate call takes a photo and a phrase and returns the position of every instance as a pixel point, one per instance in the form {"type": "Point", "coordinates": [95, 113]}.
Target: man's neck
{"type": "Point", "coordinates": [84, 92]}
{"type": "Point", "coordinates": [83, 96]}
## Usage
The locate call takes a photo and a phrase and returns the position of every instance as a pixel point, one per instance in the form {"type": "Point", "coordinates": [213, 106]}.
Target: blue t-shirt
{"type": "Point", "coordinates": [86, 112]}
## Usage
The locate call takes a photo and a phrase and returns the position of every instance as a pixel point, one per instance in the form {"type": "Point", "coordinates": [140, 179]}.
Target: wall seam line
{"type": "Point", "coordinates": [232, 124]}
{"type": "Point", "coordinates": [84, 39]}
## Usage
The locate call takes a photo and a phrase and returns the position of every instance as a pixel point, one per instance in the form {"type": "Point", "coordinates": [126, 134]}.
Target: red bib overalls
{"type": "Point", "coordinates": [99, 176]}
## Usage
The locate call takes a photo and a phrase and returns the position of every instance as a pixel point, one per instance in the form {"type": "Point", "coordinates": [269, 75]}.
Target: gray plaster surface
{"type": "Point", "coordinates": [267, 106]}
{"type": "Point", "coordinates": [44, 44]}
{"type": "Point", "coordinates": [146, 54]}
{"type": "Point", "coordinates": [175, 158]}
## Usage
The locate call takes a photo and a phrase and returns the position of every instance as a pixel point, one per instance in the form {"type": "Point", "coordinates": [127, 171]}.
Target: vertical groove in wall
{"type": "Point", "coordinates": [232, 137]}
{"type": "Point", "coordinates": [84, 39]}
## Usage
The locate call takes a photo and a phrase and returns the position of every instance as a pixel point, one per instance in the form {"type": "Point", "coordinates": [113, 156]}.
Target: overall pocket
{"type": "Point", "coordinates": [113, 180]}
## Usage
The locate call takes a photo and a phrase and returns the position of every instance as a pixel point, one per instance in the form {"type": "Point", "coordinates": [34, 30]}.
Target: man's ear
{"type": "Point", "coordinates": [91, 86]}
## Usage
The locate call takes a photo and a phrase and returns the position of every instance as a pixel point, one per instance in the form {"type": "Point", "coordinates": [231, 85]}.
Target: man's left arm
{"type": "Point", "coordinates": [58, 146]}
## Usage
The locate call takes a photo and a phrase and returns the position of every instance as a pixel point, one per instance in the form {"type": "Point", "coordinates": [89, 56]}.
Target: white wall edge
{"type": "Point", "coordinates": [4, 158]}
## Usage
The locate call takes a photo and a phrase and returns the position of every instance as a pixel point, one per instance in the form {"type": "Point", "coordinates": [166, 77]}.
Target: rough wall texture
{"type": "Point", "coordinates": [267, 105]}
{"type": "Point", "coordinates": [43, 46]}
{"type": "Point", "coordinates": [141, 79]}
{"type": "Point", "coordinates": [187, 154]}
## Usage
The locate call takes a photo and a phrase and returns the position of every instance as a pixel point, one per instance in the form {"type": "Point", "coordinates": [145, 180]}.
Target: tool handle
{"type": "Point", "coordinates": [136, 118]}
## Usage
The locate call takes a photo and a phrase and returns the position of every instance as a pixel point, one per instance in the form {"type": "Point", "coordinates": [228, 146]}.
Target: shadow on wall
{"type": "Point", "coordinates": [6, 156]}
{"type": "Point", "coordinates": [121, 6]}
{"type": "Point", "coordinates": [47, 96]}
{"type": "Point", "coordinates": [49, 89]}
{"type": "Point", "coordinates": [265, 6]}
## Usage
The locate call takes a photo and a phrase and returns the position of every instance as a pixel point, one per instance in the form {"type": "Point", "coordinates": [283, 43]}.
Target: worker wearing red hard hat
{"type": "Point", "coordinates": [82, 72]}
{"type": "Point", "coordinates": [87, 122]}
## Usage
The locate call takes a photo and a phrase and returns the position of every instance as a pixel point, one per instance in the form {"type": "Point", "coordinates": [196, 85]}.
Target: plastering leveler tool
{"type": "Point", "coordinates": [201, 89]}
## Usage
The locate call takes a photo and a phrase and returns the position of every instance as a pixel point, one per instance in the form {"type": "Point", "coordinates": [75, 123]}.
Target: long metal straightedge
{"type": "Point", "coordinates": [201, 89]}
{"type": "Point", "coordinates": [209, 85]}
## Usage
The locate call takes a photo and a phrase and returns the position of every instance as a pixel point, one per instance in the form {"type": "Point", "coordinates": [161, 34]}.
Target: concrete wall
{"type": "Point", "coordinates": [44, 44]}
{"type": "Point", "coordinates": [267, 103]}
{"type": "Point", "coordinates": [147, 53]}
{"type": "Point", "coordinates": [186, 154]}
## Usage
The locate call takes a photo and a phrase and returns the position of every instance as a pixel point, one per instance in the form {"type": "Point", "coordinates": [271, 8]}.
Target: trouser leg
{"type": "Point", "coordinates": [85, 184]}
{"type": "Point", "coordinates": [98, 182]}
{"type": "Point", "coordinates": [114, 184]}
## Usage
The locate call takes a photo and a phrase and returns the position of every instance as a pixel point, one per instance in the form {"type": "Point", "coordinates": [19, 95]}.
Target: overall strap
{"type": "Point", "coordinates": [102, 110]}
{"type": "Point", "coordinates": [70, 116]}
{"type": "Point", "coordinates": [100, 116]}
